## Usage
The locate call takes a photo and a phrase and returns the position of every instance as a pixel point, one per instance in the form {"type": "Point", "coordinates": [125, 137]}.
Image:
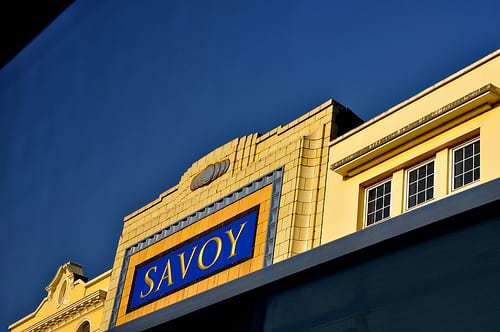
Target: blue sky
{"type": "Point", "coordinates": [110, 104]}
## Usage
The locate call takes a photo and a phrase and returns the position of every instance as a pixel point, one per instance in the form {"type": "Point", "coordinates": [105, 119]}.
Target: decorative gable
{"type": "Point", "coordinates": [63, 282]}
{"type": "Point", "coordinates": [70, 297]}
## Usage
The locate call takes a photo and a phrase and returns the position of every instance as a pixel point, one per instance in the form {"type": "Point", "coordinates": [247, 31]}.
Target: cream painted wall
{"type": "Point", "coordinates": [344, 201]}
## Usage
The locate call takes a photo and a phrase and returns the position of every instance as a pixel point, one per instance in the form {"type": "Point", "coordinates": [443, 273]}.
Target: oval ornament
{"type": "Point", "coordinates": [209, 174]}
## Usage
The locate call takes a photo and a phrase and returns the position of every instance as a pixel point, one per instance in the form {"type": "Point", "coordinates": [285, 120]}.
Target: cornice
{"type": "Point", "coordinates": [420, 123]}
{"type": "Point", "coordinates": [420, 95]}
{"type": "Point", "coordinates": [73, 311]}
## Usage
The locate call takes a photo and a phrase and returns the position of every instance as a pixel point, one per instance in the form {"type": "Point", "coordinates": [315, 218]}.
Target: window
{"type": "Point", "coordinates": [420, 184]}
{"type": "Point", "coordinates": [84, 327]}
{"type": "Point", "coordinates": [378, 202]}
{"type": "Point", "coordinates": [465, 164]}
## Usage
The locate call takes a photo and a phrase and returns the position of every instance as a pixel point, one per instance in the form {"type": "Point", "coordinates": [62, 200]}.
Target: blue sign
{"type": "Point", "coordinates": [216, 250]}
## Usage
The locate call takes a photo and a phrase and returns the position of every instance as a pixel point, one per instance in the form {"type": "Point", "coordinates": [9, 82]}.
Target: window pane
{"type": "Point", "coordinates": [430, 181]}
{"type": "Point", "coordinates": [468, 151]}
{"type": "Point", "coordinates": [386, 212]}
{"type": "Point", "coordinates": [468, 177]}
{"type": "Point", "coordinates": [421, 185]}
{"type": "Point", "coordinates": [413, 189]}
{"type": "Point", "coordinates": [413, 176]}
{"type": "Point", "coordinates": [476, 147]}
{"type": "Point", "coordinates": [430, 193]}
{"type": "Point", "coordinates": [412, 201]}
{"type": "Point", "coordinates": [476, 174]}
{"type": "Point", "coordinates": [387, 200]}
{"type": "Point", "coordinates": [371, 207]}
{"type": "Point", "coordinates": [468, 164]}
{"type": "Point", "coordinates": [459, 168]}
{"type": "Point", "coordinates": [458, 182]}
{"type": "Point", "coordinates": [421, 197]}
{"type": "Point", "coordinates": [459, 155]}
{"type": "Point", "coordinates": [388, 187]}
{"type": "Point", "coordinates": [380, 191]}
{"type": "Point", "coordinates": [371, 195]}
{"type": "Point", "coordinates": [430, 168]}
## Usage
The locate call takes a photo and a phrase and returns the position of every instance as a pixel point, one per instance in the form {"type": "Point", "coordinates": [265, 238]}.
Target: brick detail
{"type": "Point", "coordinates": [300, 148]}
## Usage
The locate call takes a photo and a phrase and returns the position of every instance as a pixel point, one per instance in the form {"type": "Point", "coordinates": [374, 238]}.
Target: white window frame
{"type": "Point", "coordinates": [452, 165]}
{"type": "Point", "coordinates": [407, 185]}
{"type": "Point", "coordinates": [365, 208]}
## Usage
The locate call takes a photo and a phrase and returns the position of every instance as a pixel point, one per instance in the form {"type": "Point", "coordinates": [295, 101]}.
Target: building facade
{"type": "Point", "coordinates": [271, 186]}
{"type": "Point", "coordinates": [294, 229]}
{"type": "Point", "coordinates": [73, 303]}
{"type": "Point", "coordinates": [435, 144]}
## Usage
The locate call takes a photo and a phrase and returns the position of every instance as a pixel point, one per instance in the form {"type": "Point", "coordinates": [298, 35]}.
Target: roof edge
{"type": "Point", "coordinates": [419, 95]}
{"type": "Point", "coordinates": [32, 314]}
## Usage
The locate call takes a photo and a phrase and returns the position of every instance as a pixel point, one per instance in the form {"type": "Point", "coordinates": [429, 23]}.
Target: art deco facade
{"type": "Point", "coordinates": [292, 224]}
{"type": "Point", "coordinates": [282, 173]}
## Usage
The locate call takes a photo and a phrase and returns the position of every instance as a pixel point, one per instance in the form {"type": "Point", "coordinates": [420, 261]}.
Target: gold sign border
{"type": "Point", "coordinates": [261, 197]}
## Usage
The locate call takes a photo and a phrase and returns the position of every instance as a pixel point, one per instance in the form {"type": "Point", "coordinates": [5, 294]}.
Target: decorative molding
{"type": "Point", "coordinates": [73, 311]}
{"type": "Point", "coordinates": [47, 299]}
{"type": "Point", "coordinates": [71, 269]}
{"type": "Point", "coordinates": [419, 95]}
{"type": "Point", "coordinates": [209, 174]}
{"type": "Point", "coordinates": [274, 178]}
{"type": "Point", "coordinates": [425, 119]}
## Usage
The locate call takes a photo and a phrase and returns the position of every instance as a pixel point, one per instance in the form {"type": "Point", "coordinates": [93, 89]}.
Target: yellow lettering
{"type": "Point", "coordinates": [233, 240]}
{"type": "Point", "coordinates": [218, 242]}
{"type": "Point", "coordinates": [185, 268]}
{"type": "Point", "coordinates": [167, 274]}
{"type": "Point", "coordinates": [148, 282]}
